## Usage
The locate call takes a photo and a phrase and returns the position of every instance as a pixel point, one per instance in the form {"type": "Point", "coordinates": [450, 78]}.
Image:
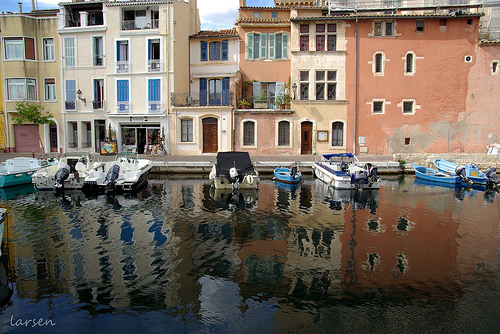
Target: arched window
{"type": "Point", "coordinates": [409, 63]}
{"type": "Point", "coordinates": [378, 63]}
{"type": "Point", "coordinates": [337, 134]}
{"type": "Point", "coordinates": [248, 133]}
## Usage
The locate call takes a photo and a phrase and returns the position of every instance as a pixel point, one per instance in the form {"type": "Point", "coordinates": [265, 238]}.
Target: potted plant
{"type": "Point", "coordinates": [261, 102]}
{"type": "Point", "coordinates": [280, 101]}
{"type": "Point", "coordinates": [243, 103]}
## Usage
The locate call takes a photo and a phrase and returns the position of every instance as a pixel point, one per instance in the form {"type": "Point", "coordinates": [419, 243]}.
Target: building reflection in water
{"type": "Point", "coordinates": [181, 241]}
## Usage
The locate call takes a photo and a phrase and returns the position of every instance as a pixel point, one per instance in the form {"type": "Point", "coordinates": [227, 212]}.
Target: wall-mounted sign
{"type": "Point", "coordinates": [108, 147]}
{"type": "Point", "coordinates": [322, 135]}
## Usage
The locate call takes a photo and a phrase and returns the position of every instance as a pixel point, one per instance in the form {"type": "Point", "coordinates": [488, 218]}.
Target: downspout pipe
{"type": "Point", "coordinates": [355, 84]}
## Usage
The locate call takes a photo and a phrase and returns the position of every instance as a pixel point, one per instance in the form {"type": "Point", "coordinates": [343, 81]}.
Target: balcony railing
{"type": "Point", "coordinates": [139, 24]}
{"type": "Point", "coordinates": [155, 107]}
{"type": "Point", "coordinates": [186, 99]}
{"type": "Point", "coordinates": [154, 65]}
{"type": "Point", "coordinates": [86, 144]}
{"type": "Point", "coordinates": [123, 107]}
{"type": "Point", "coordinates": [70, 105]}
{"type": "Point", "coordinates": [123, 66]}
{"type": "Point", "coordinates": [96, 105]}
{"type": "Point", "coordinates": [98, 60]}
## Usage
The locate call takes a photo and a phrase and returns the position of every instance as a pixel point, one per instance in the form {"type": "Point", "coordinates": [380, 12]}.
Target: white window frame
{"type": "Point", "coordinates": [414, 106]}
{"type": "Point", "coordinates": [94, 55]}
{"type": "Point", "coordinates": [187, 118]}
{"type": "Point", "coordinates": [48, 50]}
{"type": "Point", "coordinates": [495, 67]}
{"type": "Point", "coordinates": [50, 90]}
{"type": "Point", "coordinates": [23, 86]}
{"type": "Point", "coordinates": [325, 81]}
{"type": "Point", "coordinates": [373, 106]}
{"type": "Point", "coordinates": [242, 127]}
{"type": "Point", "coordinates": [14, 43]}
{"type": "Point", "coordinates": [383, 28]}
{"type": "Point", "coordinates": [344, 134]}
{"type": "Point", "coordinates": [405, 61]}
{"type": "Point", "coordinates": [290, 122]}
{"type": "Point", "coordinates": [308, 82]}
{"type": "Point", "coordinates": [373, 62]}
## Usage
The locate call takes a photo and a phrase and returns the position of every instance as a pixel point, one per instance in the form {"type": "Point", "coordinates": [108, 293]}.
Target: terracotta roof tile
{"type": "Point", "coordinates": [216, 33]}
{"type": "Point", "coordinates": [261, 20]}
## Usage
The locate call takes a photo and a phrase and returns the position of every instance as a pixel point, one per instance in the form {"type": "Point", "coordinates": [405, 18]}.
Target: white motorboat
{"type": "Point", "coordinates": [126, 173]}
{"type": "Point", "coordinates": [345, 171]}
{"type": "Point", "coordinates": [17, 171]}
{"type": "Point", "coordinates": [234, 170]}
{"type": "Point", "coordinates": [68, 173]}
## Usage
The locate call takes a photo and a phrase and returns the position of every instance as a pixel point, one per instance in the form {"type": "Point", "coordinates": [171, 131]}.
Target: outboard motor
{"type": "Point", "coordinates": [361, 177]}
{"type": "Point", "coordinates": [233, 177]}
{"type": "Point", "coordinates": [111, 177]}
{"type": "Point", "coordinates": [491, 176]}
{"type": "Point", "coordinates": [372, 173]}
{"type": "Point", "coordinates": [62, 175]}
{"type": "Point", "coordinates": [460, 171]}
{"type": "Point", "coordinates": [293, 171]}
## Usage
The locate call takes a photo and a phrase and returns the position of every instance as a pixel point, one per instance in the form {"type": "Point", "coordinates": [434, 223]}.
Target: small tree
{"type": "Point", "coordinates": [32, 113]}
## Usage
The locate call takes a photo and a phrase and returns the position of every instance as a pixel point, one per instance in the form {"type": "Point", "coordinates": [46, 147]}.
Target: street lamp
{"type": "Point", "coordinates": [294, 88]}
{"type": "Point", "coordinates": [79, 95]}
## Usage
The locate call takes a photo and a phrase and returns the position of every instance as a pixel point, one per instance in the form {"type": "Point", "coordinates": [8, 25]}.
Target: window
{"type": "Point", "coordinates": [97, 51]}
{"type": "Point", "coordinates": [278, 46]}
{"type": "Point", "coordinates": [154, 95]}
{"type": "Point", "coordinates": [304, 37]}
{"type": "Point", "coordinates": [256, 15]}
{"type": "Point", "coordinates": [494, 67]}
{"type": "Point", "coordinates": [337, 134]}
{"type": "Point", "coordinates": [326, 85]}
{"type": "Point", "coordinates": [256, 46]}
{"type": "Point", "coordinates": [420, 25]}
{"type": "Point", "coordinates": [69, 52]}
{"type": "Point", "coordinates": [98, 102]}
{"type": "Point", "coordinates": [216, 50]}
{"type": "Point", "coordinates": [154, 64]}
{"type": "Point", "coordinates": [50, 89]}
{"type": "Point", "coordinates": [70, 102]}
{"type": "Point", "coordinates": [215, 91]}
{"type": "Point", "coordinates": [122, 57]}
{"type": "Point", "coordinates": [266, 92]}
{"type": "Point", "coordinates": [73, 134]}
{"type": "Point", "coordinates": [48, 49]}
{"type": "Point", "coordinates": [407, 141]}
{"type": "Point", "coordinates": [248, 133]}
{"type": "Point", "coordinates": [408, 107]}
{"type": "Point", "coordinates": [284, 133]}
{"type": "Point", "coordinates": [320, 37]}
{"type": "Point", "coordinates": [14, 48]}
{"type": "Point", "coordinates": [21, 88]}
{"type": "Point", "coordinates": [186, 130]}
{"type": "Point", "coordinates": [259, 47]}
{"type": "Point", "coordinates": [332, 37]}
{"type": "Point", "coordinates": [122, 96]}
{"type": "Point", "coordinates": [378, 107]}
{"type": "Point", "coordinates": [383, 28]}
{"type": "Point", "coordinates": [274, 15]}
{"type": "Point", "coordinates": [409, 68]}
{"type": "Point", "coordinates": [378, 64]}
{"type": "Point", "coordinates": [304, 85]}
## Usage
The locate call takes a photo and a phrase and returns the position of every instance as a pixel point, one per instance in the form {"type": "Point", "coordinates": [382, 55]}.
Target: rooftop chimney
{"type": "Point", "coordinates": [243, 3]}
{"type": "Point", "coordinates": [20, 7]}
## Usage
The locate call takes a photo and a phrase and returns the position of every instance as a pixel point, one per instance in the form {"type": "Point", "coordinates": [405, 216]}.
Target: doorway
{"type": "Point", "coordinates": [53, 139]}
{"type": "Point", "coordinates": [99, 133]}
{"type": "Point", "coordinates": [306, 137]}
{"type": "Point", "coordinates": [210, 137]}
{"type": "Point", "coordinates": [141, 140]}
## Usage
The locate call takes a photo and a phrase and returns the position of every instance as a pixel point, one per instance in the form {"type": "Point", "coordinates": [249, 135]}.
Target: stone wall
{"type": "Point", "coordinates": [483, 160]}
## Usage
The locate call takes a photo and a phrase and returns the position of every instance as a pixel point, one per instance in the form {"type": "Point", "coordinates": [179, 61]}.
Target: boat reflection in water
{"type": "Point", "coordinates": [462, 191]}
{"type": "Point", "coordinates": [181, 256]}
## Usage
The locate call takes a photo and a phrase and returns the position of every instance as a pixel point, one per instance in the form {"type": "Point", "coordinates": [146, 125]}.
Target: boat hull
{"type": "Point", "coordinates": [436, 176]}
{"type": "Point", "coordinates": [15, 179]}
{"type": "Point", "coordinates": [472, 172]}
{"type": "Point", "coordinates": [335, 179]}
{"type": "Point", "coordinates": [283, 174]}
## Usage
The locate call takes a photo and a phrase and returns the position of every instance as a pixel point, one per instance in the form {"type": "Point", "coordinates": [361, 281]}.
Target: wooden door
{"type": "Point", "coordinates": [210, 137]}
{"type": "Point", "coordinates": [306, 138]}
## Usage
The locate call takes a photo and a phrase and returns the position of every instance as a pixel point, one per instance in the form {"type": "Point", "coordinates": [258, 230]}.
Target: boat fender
{"type": "Point", "coordinates": [61, 175]}
{"type": "Point", "coordinates": [330, 182]}
{"type": "Point", "coordinates": [250, 179]}
{"type": "Point", "coordinates": [233, 172]}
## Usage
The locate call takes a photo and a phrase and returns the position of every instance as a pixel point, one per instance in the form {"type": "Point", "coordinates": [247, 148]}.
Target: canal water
{"type": "Point", "coordinates": [178, 257]}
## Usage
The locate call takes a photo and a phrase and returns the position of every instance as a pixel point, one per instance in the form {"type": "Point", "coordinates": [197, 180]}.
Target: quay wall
{"type": "Point", "coordinates": [482, 160]}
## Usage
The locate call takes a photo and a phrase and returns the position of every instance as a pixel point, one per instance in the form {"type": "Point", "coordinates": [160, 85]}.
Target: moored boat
{"type": "Point", "coordinates": [290, 175]}
{"type": "Point", "coordinates": [469, 173]}
{"type": "Point", "coordinates": [17, 171]}
{"type": "Point", "coordinates": [69, 173]}
{"type": "Point", "coordinates": [345, 171]}
{"type": "Point", "coordinates": [3, 219]}
{"type": "Point", "coordinates": [434, 175]}
{"type": "Point", "coordinates": [126, 173]}
{"type": "Point", "coordinates": [234, 170]}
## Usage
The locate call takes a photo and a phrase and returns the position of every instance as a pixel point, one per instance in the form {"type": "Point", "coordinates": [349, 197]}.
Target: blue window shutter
{"type": "Point", "coordinates": [263, 46]}
{"type": "Point", "coordinates": [224, 50]}
{"type": "Point", "coordinates": [118, 50]}
{"type": "Point", "coordinates": [149, 49]}
{"type": "Point", "coordinates": [70, 90]}
{"type": "Point", "coordinates": [285, 46]}
{"type": "Point", "coordinates": [203, 47]}
{"type": "Point", "coordinates": [257, 88]}
{"type": "Point", "coordinates": [203, 92]}
{"type": "Point", "coordinates": [271, 46]}
{"type": "Point", "coordinates": [250, 38]}
{"type": "Point", "coordinates": [122, 90]}
{"type": "Point", "coordinates": [154, 90]}
{"type": "Point", "coordinates": [225, 91]}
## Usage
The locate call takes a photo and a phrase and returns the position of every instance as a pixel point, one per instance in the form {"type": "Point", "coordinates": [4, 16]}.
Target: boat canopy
{"type": "Point", "coordinates": [338, 155]}
{"type": "Point", "coordinates": [240, 160]}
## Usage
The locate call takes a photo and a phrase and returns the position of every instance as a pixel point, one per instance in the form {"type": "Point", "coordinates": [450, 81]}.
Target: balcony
{"type": "Point", "coordinates": [155, 107]}
{"type": "Point", "coordinates": [97, 105]}
{"type": "Point", "coordinates": [123, 66]}
{"type": "Point", "coordinates": [139, 24]}
{"type": "Point", "coordinates": [195, 100]}
{"type": "Point", "coordinates": [70, 105]}
{"type": "Point", "coordinates": [98, 60]}
{"type": "Point", "coordinates": [155, 65]}
{"type": "Point", "coordinates": [123, 107]}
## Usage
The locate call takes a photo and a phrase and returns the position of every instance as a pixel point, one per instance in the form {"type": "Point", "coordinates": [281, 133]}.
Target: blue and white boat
{"type": "Point", "coordinates": [469, 173]}
{"type": "Point", "coordinates": [345, 171]}
{"type": "Point", "coordinates": [437, 176]}
{"type": "Point", "coordinates": [291, 175]}
{"type": "Point", "coordinates": [17, 171]}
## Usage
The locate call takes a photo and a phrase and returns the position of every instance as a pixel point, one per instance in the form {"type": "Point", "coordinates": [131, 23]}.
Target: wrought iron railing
{"type": "Point", "coordinates": [136, 25]}
{"type": "Point", "coordinates": [123, 66]}
{"type": "Point", "coordinates": [155, 107]}
{"type": "Point", "coordinates": [191, 99]}
{"type": "Point", "coordinates": [123, 107]}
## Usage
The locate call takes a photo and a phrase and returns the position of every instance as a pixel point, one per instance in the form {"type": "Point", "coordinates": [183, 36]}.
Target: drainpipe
{"type": "Point", "coordinates": [355, 83]}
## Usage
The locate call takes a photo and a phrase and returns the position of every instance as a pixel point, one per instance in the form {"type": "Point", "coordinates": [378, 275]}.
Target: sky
{"type": "Point", "coordinates": [214, 14]}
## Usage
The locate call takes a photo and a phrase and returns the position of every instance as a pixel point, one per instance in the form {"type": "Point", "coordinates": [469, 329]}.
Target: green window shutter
{"type": "Point", "coordinates": [263, 46]}
{"type": "Point", "coordinates": [257, 88]}
{"type": "Point", "coordinates": [284, 55]}
{"type": "Point", "coordinates": [250, 38]}
{"type": "Point", "coordinates": [271, 46]}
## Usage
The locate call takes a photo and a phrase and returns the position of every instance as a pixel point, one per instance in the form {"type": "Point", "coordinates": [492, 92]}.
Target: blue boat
{"type": "Point", "coordinates": [290, 175]}
{"type": "Point", "coordinates": [17, 171]}
{"type": "Point", "coordinates": [470, 173]}
{"type": "Point", "coordinates": [433, 175]}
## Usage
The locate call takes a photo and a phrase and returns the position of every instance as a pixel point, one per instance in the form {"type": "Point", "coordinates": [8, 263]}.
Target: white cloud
{"type": "Point", "coordinates": [218, 14]}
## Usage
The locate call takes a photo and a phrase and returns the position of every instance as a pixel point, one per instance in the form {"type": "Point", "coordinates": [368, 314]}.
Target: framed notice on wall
{"type": "Point", "coordinates": [108, 147]}
{"type": "Point", "coordinates": [322, 135]}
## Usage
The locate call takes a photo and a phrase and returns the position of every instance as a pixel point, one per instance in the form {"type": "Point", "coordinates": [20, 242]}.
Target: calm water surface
{"type": "Point", "coordinates": [180, 258]}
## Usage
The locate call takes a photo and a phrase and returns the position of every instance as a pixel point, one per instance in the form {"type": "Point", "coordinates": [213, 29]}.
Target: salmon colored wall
{"type": "Point", "coordinates": [439, 85]}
